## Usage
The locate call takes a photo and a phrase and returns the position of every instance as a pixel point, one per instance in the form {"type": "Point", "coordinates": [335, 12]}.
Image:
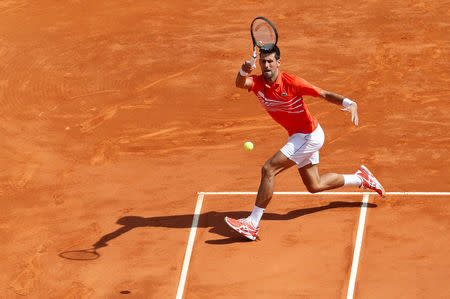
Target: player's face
{"type": "Point", "coordinates": [269, 66]}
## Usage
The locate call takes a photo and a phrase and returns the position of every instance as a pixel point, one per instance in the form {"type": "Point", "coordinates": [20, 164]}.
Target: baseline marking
{"type": "Point", "coordinates": [357, 251]}
{"type": "Point", "coordinates": [327, 193]}
{"type": "Point", "coordinates": [190, 245]}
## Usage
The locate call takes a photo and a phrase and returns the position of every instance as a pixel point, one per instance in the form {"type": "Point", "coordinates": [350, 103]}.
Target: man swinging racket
{"type": "Point", "coordinates": [281, 95]}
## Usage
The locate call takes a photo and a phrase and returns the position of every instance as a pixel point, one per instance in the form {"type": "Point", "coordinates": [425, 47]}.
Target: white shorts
{"type": "Point", "coordinates": [304, 148]}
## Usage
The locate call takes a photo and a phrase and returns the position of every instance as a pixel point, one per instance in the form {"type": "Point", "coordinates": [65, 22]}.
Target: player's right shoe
{"type": "Point", "coordinates": [244, 227]}
{"type": "Point", "coordinates": [369, 181]}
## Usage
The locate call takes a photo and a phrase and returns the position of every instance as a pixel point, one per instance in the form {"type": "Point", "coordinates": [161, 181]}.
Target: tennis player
{"type": "Point", "coordinates": [281, 95]}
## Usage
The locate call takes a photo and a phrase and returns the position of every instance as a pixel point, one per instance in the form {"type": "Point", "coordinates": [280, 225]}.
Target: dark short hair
{"type": "Point", "coordinates": [270, 50]}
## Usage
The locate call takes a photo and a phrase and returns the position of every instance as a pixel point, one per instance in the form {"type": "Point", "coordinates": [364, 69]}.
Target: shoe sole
{"type": "Point", "coordinates": [383, 194]}
{"type": "Point", "coordinates": [238, 230]}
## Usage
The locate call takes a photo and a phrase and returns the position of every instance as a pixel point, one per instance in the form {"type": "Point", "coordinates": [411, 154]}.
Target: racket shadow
{"type": "Point", "coordinates": [80, 255]}
{"type": "Point", "coordinates": [212, 220]}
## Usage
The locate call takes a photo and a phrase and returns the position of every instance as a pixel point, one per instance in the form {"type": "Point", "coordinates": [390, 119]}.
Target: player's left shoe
{"type": "Point", "coordinates": [244, 227]}
{"type": "Point", "coordinates": [369, 181]}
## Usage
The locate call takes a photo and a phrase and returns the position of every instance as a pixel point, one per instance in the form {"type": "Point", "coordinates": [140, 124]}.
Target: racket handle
{"type": "Point", "coordinates": [253, 59]}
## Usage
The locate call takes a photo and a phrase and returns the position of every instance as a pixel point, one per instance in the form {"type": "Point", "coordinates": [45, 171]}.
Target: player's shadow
{"type": "Point", "coordinates": [214, 221]}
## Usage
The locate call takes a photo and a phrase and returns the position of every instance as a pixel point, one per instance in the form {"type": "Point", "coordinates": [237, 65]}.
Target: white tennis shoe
{"type": "Point", "coordinates": [369, 181]}
{"type": "Point", "coordinates": [244, 227]}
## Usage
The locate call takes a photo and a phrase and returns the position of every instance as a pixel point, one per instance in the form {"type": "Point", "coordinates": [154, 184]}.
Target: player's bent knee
{"type": "Point", "coordinates": [267, 169]}
{"type": "Point", "coordinates": [313, 188]}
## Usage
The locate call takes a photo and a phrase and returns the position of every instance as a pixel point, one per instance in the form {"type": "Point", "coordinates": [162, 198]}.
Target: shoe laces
{"type": "Point", "coordinates": [248, 223]}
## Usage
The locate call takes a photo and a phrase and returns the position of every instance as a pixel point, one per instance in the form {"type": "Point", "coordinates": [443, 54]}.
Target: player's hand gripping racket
{"type": "Point", "coordinates": [264, 36]}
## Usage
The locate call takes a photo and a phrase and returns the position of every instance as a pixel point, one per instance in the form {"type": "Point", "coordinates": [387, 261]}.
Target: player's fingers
{"type": "Point", "coordinates": [355, 119]}
{"type": "Point", "coordinates": [354, 115]}
{"type": "Point", "coordinates": [247, 67]}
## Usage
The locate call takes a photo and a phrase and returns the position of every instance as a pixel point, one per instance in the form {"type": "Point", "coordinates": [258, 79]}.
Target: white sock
{"type": "Point", "coordinates": [352, 179]}
{"type": "Point", "coordinates": [256, 215]}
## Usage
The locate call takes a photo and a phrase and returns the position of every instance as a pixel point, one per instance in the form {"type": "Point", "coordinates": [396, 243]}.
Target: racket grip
{"type": "Point", "coordinates": [252, 61]}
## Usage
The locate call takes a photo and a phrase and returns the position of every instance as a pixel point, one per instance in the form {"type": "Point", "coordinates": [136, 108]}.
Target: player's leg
{"type": "Point", "coordinates": [249, 227]}
{"type": "Point", "coordinates": [307, 159]}
{"type": "Point", "coordinates": [315, 182]}
{"type": "Point", "coordinates": [278, 163]}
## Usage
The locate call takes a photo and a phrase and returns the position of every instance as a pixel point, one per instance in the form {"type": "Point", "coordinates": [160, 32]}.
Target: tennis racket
{"type": "Point", "coordinates": [264, 36]}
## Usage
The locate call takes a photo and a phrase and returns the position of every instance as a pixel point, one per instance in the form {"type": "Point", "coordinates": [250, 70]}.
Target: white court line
{"type": "Point", "coordinates": [357, 251]}
{"type": "Point", "coordinates": [190, 245]}
{"type": "Point", "coordinates": [327, 193]}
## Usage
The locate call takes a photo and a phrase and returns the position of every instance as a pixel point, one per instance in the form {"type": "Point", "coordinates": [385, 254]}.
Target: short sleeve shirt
{"type": "Point", "coordinates": [283, 100]}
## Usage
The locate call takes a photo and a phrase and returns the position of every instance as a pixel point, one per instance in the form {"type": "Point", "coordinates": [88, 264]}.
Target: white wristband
{"type": "Point", "coordinates": [242, 73]}
{"type": "Point", "coordinates": [347, 102]}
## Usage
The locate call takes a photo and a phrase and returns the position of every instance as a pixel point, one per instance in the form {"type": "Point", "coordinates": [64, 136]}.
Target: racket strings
{"type": "Point", "coordinates": [263, 33]}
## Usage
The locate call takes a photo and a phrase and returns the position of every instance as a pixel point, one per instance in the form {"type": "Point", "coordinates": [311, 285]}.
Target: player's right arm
{"type": "Point", "coordinates": [242, 79]}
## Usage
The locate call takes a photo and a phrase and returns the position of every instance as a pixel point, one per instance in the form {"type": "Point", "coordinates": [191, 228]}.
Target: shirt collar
{"type": "Point", "coordinates": [278, 81]}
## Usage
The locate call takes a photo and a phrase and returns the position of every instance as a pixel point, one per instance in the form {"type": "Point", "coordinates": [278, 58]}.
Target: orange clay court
{"type": "Point", "coordinates": [122, 130]}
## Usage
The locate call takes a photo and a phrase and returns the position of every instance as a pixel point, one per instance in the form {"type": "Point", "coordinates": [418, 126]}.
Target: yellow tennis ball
{"type": "Point", "coordinates": [248, 146]}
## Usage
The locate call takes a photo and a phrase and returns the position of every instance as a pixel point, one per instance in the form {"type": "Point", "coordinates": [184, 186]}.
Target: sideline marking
{"type": "Point", "coordinates": [190, 245]}
{"type": "Point", "coordinates": [357, 251]}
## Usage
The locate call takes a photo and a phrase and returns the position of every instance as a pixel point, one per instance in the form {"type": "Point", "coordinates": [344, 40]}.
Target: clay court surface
{"type": "Point", "coordinates": [115, 114]}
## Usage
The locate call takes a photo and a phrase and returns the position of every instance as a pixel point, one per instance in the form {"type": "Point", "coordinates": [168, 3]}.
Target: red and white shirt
{"type": "Point", "coordinates": [283, 100]}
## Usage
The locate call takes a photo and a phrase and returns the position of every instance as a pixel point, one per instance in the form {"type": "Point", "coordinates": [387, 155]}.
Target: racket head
{"type": "Point", "coordinates": [80, 255]}
{"type": "Point", "coordinates": [264, 34]}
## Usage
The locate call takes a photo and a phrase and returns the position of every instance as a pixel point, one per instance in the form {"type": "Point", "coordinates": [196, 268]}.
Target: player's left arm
{"type": "Point", "coordinates": [337, 99]}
